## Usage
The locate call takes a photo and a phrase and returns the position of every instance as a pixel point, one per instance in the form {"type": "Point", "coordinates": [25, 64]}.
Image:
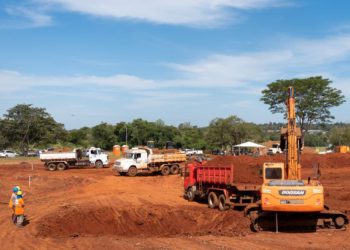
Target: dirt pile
{"type": "Point", "coordinates": [247, 167]}
{"type": "Point", "coordinates": [149, 220]}
{"type": "Point", "coordinates": [335, 160]}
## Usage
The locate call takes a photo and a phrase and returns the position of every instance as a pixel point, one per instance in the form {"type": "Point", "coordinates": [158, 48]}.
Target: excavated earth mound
{"type": "Point", "coordinates": [149, 220]}
{"type": "Point", "coordinates": [247, 167]}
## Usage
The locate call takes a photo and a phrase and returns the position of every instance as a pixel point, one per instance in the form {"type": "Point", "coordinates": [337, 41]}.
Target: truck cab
{"type": "Point", "coordinates": [97, 156]}
{"type": "Point", "coordinates": [133, 158]}
{"type": "Point", "coordinates": [285, 195]}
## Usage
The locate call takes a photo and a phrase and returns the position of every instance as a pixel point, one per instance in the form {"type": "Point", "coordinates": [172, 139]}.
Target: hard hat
{"type": "Point", "coordinates": [15, 189]}
{"type": "Point", "coordinates": [19, 188]}
{"type": "Point", "coordinates": [19, 192]}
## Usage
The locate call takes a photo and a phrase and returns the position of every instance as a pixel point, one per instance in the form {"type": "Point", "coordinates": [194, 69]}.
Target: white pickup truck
{"type": "Point", "coordinates": [143, 160]}
{"type": "Point", "coordinates": [61, 161]}
{"type": "Point", "coordinates": [275, 149]}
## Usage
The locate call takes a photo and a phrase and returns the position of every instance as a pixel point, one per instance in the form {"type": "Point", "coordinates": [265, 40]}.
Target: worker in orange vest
{"type": "Point", "coordinates": [18, 206]}
{"type": "Point", "coordinates": [13, 199]}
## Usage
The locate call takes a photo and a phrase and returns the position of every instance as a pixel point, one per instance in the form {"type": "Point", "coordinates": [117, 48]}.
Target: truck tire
{"type": "Point", "coordinates": [61, 166]}
{"type": "Point", "coordinates": [190, 194]}
{"type": "Point", "coordinates": [51, 167]}
{"type": "Point", "coordinates": [213, 200]}
{"type": "Point", "coordinates": [132, 171]}
{"type": "Point", "coordinates": [165, 170]}
{"type": "Point", "coordinates": [222, 202]}
{"type": "Point", "coordinates": [98, 164]}
{"type": "Point", "coordinates": [174, 169]}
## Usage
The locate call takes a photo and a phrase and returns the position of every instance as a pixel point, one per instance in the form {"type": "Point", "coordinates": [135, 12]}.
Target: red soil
{"type": "Point", "coordinates": [93, 209]}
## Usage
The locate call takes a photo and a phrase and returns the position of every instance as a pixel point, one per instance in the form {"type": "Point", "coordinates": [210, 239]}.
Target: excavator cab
{"type": "Point", "coordinates": [273, 171]}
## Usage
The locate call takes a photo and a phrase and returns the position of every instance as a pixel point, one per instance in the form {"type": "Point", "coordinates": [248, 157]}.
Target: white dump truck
{"type": "Point", "coordinates": [64, 160]}
{"type": "Point", "coordinates": [143, 160]}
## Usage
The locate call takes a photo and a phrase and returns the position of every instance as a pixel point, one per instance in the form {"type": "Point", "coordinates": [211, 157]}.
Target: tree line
{"type": "Point", "coordinates": [25, 127]}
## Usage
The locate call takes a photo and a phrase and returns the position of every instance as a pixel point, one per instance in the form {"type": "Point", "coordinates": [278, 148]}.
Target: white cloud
{"type": "Point", "coordinates": [242, 72]}
{"type": "Point", "coordinates": [232, 70]}
{"type": "Point", "coordinates": [24, 17]}
{"type": "Point", "coordinates": [12, 81]}
{"type": "Point", "coordinates": [177, 12]}
{"type": "Point", "coordinates": [295, 58]}
{"type": "Point", "coordinates": [324, 51]}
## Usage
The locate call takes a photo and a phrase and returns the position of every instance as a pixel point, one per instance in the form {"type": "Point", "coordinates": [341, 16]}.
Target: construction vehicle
{"type": "Point", "coordinates": [275, 149]}
{"type": "Point", "coordinates": [64, 160]}
{"type": "Point", "coordinates": [219, 186]}
{"type": "Point", "coordinates": [143, 160]}
{"type": "Point", "coordinates": [286, 199]}
{"type": "Point", "coordinates": [342, 149]}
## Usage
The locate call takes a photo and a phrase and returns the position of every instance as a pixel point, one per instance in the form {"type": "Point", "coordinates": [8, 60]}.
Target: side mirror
{"type": "Point", "coordinates": [260, 172]}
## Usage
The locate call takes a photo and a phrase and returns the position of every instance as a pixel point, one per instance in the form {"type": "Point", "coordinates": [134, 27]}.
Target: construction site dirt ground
{"type": "Point", "coordinates": [93, 209]}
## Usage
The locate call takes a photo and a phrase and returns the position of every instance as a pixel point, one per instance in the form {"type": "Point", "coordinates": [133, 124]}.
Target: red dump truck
{"type": "Point", "coordinates": [219, 186]}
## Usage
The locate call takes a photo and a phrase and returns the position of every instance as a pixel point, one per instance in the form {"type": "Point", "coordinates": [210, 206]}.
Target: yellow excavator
{"type": "Point", "coordinates": [288, 201]}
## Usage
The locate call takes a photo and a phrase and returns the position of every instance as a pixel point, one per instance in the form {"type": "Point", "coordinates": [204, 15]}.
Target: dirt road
{"type": "Point", "coordinates": [92, 209]}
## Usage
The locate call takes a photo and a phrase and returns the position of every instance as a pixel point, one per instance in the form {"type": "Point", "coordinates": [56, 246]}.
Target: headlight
{"type": "Point", "coordinates": [266, 191]}
{"type": "Point", "coordinates": [317, 191]}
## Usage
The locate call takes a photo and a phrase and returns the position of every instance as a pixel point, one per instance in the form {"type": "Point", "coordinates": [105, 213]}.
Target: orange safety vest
{"type": "Point", "coordinates": [19, 204]}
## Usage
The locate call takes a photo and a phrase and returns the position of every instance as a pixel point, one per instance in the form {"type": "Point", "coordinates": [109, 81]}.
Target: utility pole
{"type": "Point", "coordinates": [126, 134]}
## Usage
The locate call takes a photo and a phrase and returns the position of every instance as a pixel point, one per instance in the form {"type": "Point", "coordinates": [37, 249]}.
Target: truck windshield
{"type": "Point", "coordinates": [95, 151]}
{"type": "Point", "coordinates": [129, 155]}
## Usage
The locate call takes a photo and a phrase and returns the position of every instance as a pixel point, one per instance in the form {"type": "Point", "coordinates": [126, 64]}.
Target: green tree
{"type": "Point", "coordinates": [340, 136]}
{"type": "Point", "coordinates": [103, 136]}
{"type": "Point", "coordinates": [314, 98]}
{"type": "Point", "coordinates": [189, 136]}
{"type": "Point", "coordinates": [231, 131]}
{"type": "Point", "coordinates": [4, 141]}
{"type": "Point", "coordinates": [25, 126]}
{"type": "Point", "coordinates": [80, 137]}
{"type": "Point", "coordinates": [120, 131]}
{"type": "Point", "coordinates": [316, 140]}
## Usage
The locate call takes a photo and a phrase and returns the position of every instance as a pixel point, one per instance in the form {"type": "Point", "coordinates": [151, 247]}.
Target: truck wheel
{"type": "Point", "coordinates": [132, 171]}
{"type": "Point", "coordinates": [222, 202]}
{"type": "Point", "coordinates": [174, 169]}
{"type": "Point", "coordinates": [51, 167]}
{"type": "Point", "coordinates": [213, 200]}
{"type": "Point", "coordinates": [165, 170]}
{"type": "Point", "coordinates": [190, 194]}
{"type": "Point", "coordinates": [98, 164]}
{"type": "Point", "coordinates": [255, 226]}
{"type": "Point", "coordinates": [61, 166]}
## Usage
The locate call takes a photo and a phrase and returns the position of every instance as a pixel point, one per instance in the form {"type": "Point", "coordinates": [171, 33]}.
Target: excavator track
{"type": "Point", "coordinates": [298, 222]}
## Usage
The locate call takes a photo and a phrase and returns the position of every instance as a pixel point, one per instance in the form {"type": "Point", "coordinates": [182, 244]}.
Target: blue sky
{"type": "Point", "coordinates": [88, 61]}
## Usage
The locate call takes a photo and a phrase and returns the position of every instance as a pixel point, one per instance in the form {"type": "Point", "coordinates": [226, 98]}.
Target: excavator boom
{"type": "Point", "coordinates": [293, 139]}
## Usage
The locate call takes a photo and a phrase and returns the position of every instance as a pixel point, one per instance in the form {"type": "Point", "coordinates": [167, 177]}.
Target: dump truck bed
{"type": "Point", "coordinates": [171, 157]}
{"type": "Point", "coordinates": [58, 156]}
{"type": "Point", "coordinates": [222, 175]}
